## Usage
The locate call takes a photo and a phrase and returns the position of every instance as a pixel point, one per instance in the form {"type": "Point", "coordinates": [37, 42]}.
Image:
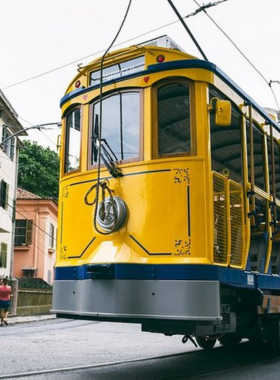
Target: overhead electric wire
{"type": "Point", "coordinates": [244, 56]}
{"type": "Point", "coordinates": [232, 42]}
{"type": "Point", "coordinates": [187, 29]}
{"type": "Point", "coordinates": [88, 56]}
{"type": "Point", "coordinates": [100, 124]}
{"type": "Point", "coordinates": [25, 212]}
{"type": "Point", "coordinates": [20, 213]}
{"type": "Point", "coordinates": [201, 8]}
{"type": "Point", "coordinates": [41, 231]}
{"type": "Point", "coordinates": [28, 122]}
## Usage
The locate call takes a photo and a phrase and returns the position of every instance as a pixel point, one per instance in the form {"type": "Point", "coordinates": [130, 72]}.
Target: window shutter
{"type": "Point", "coordinates": [51, 236]}
{"type": "Point", "coordinates": [3, 193]}
{"type": "Point", "coordinates": [3, 256]}
{"type": "Point", "coordinates": [4, 133]}
{"type": "Point", "coordinates": [12, 152]}
{"type": "Point", "coordinates": [7, 197]}
{"type": "Point", "coordinates": [29, 225]}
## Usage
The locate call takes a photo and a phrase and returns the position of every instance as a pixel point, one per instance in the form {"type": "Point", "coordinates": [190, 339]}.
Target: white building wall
{"type": "Point", "coordinates": [8, 173]}
{"type": "Point", "coordinates": [50, 251]}
{"type": "Point", "coordinates": [10, 129]}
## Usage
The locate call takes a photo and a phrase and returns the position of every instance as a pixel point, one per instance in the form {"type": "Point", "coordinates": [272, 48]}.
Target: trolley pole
{"type": "Point", "coordinates": [187, 29]}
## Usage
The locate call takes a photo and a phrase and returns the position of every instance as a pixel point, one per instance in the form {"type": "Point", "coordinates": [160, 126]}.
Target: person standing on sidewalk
{"type": "Point", "coordinates": [5, 301]}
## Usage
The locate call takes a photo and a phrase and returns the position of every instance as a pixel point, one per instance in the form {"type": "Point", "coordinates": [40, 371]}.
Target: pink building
{"type": "Point", "coordinates": [35, 236]}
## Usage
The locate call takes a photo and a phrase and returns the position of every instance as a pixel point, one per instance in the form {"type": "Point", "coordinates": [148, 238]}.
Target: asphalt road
{"type": "Point", "coordinates": [66, 349]}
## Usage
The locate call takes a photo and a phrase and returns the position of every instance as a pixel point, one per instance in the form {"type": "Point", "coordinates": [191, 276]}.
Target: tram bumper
{"type": "Point", "coordinates": [134, 300]}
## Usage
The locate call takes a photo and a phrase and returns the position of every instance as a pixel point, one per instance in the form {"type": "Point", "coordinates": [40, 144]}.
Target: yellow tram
{"type": "Point", "coordinates": [169, 199]}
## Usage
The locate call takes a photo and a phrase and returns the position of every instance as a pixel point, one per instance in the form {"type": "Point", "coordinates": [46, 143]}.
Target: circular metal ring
{"type": "Point", "coordinates": [111, 215]}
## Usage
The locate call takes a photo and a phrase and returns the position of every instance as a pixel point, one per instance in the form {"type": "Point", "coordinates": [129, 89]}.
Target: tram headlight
{"type": "Point", "coordinates": [160, 58]}
{"type": "Point", "coordinates": [111, 213]}
{"type": "Point", "coordinates": [78, 84]}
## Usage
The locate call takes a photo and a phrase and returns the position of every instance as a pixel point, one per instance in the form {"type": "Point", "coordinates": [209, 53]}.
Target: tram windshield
{"type": "Point", "coordinates": [116, 71]}
{"type": "Point", "coordinates": [120, 127]}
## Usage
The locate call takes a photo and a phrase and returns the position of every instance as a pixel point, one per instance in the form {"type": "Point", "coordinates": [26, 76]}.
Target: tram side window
{"type": "Point", "coordinates": [73, 141]}
{"type": "Point", "coordinates": [226, 148]}
{"type": "Point", "coordinates": [277, 168]}
{"type": "Point", "coordinates": [277, 178]}
{"type": "Point", "coordinates": [274, 187]}
{"type": "Point", "coordinates": [174, 126]}
{"type": "Point", "coordinates": [259, 172]}
{"type": "Point", "coordinates": [120, 126]}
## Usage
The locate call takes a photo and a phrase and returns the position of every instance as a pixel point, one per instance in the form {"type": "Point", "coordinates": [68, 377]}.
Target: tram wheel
{"type": "Point", "coordinates": [229, 339]}
{"type": "Point", "coordinates": [205, 342]}
{"type": "Point", "coordinates": [276, 341]}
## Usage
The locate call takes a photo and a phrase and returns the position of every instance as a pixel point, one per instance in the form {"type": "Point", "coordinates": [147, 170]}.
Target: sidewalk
{"type": "Point", "coordinates": [30, 318]}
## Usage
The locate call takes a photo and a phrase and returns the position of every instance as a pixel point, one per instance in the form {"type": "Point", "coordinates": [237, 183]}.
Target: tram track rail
{"type": "Point", "coordinates": [210, 368]}
{"type": "Point", "coordinates": [217, 372]}
{"type": "Point", "coordinates": [84, 367]}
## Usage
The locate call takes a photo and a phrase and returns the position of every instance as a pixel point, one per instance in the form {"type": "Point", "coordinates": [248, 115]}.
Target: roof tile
{"type": "Point", "coordinates": [24, 194]}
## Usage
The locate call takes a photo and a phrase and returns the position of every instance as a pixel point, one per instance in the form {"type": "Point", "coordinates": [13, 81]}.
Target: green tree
{"type": "Point", "coordinates": [38, 170]}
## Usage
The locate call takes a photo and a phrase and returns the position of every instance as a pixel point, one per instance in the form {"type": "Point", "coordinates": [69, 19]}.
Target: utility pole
{"type": "Point", "coordinates": [39, 126]}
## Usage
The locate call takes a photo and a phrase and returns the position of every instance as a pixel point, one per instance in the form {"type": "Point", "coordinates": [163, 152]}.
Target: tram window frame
{"type": "Point", "coordinates": [69, 112]}
{"type": "Point", "coordinates": [139, 91]}
{"type": "Point", "coordinates": [226, 143]}
{"type": "Point", "coordinates": [276, 149]}
{"type": "Point", "coordinates": [192, 133]}
{"type": "Point", "coordinates": [277, 168]}
{"type": "Point", "coordinates": [259, 165]}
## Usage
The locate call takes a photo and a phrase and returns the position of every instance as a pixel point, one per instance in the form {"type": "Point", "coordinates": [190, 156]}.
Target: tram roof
{"type": "Point", "coordinates": [189, 63]}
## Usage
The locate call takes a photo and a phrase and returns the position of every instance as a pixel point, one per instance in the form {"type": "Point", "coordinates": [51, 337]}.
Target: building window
{"type": "Point", "coordinates": [49, 278]}
{"type": "Point", "coordinates": [4, 194]}
{"type": "Point", "coordinates": [23, 232]}
{"type": "Point", "coordinates": [51, 236]}
{"type": "Point", "coordinates": [29, 272]}
{"type": "Point", "coordinates": [8, 143]}
{"type": "Point", "coordinates": [3, 255]}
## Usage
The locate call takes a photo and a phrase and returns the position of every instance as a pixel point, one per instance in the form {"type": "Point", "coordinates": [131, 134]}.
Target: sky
{"type": "Point", "coordinates": [48, 39]}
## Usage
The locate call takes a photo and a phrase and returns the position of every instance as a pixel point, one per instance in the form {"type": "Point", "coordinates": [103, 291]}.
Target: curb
{"type": "Point", "coordinates": [30, 318]}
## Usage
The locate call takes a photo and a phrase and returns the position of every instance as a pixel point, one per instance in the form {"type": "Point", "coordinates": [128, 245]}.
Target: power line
{"type": "Point", "coordinates": [40, 232]}
{"type": "Point", "coordinates": [39, 126]}
{"type": "Point", "coordinates": [231, 41]}
{"type": "Point", "coordinates": [103, 50]}
{"type": "Point", "coordinates": [234, 44]}
{"type": "Point", "coordinates": [86, 57]}
{"type": "Point", "coordinates": [205, 6]}
{"type": "Point", "coordinates": [187, 29]}
{"type": "Point", "coordinates": [35, 225]}
{"type": "Point", "coordinates": [28, 122]}
{"type": "Point", "coordinates": [201, 8]}
{"type": "Point", "coordinates": [16, 210]}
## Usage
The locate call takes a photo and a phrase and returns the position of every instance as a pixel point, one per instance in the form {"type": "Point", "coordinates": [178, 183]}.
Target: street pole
{"type": "Point", "coordinates": [39, 126]}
